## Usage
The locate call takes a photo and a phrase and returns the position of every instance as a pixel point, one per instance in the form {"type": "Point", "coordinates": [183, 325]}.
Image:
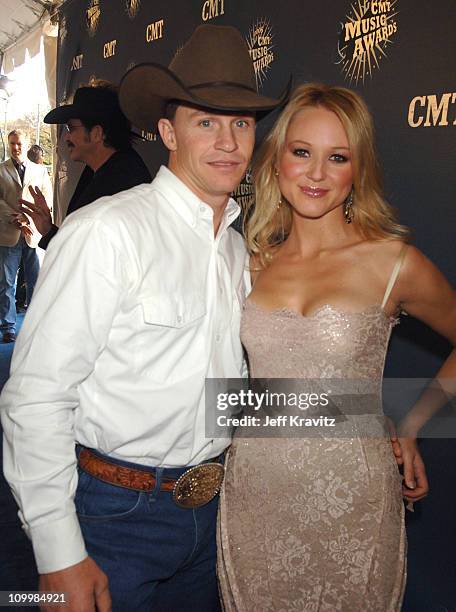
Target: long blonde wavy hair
{"type": "Point", "coordinates": [266, 224]}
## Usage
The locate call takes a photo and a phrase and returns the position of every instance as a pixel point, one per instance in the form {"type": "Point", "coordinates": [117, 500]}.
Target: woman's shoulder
{"type": "Point", "coordinates": [413, 266]}
{"type": "Point", "coordinates": [382, 254]}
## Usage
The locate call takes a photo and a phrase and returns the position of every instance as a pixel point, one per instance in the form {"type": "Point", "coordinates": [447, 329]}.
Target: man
{"type": "Point", "coordinates": [17, 175]}
{"type": "Point", "coordinates": [99, 135]}
{"type": "Point", "coordinates": [126, 380]}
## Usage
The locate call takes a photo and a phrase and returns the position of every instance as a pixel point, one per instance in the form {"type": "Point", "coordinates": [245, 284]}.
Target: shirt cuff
{"type": "Point", "coordinates": [58, 545]}
{"type": "Point", "coordinates": [46, 239]}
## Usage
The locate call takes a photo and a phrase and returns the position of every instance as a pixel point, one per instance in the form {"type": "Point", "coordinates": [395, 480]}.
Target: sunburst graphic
{"type": "Point", "coordinates": [357, 67]}
{"type": "Point", "coordinates": [259, 42]}
{"type": "Point", "coordinates": [132, 7]}
{"type": "Point", "coordinates": [93, 14]}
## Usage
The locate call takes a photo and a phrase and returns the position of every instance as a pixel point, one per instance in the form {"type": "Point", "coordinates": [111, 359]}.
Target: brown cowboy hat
{"type": "Point", "coordinates": [212, 70]}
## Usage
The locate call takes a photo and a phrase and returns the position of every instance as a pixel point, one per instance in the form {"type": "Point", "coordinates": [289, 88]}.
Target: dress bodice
{"type": "Point", "coordinates": [330, 343]}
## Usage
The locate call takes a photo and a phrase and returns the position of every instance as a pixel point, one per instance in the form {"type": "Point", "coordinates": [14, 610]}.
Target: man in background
{"type": "Point", "coordinates": [99, 135]}
{"type": "Point", "coordinates": [17, 175]}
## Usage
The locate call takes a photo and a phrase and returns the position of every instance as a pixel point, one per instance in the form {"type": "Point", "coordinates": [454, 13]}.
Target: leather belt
{"type": "Point", "coordinates": [119, 475]}
{"type": "Point", "coordinates": [194, 488]}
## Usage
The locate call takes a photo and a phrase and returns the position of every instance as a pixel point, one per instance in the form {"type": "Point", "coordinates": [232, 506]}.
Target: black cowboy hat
{"type": "Point", "coordinates": [212, 70]}
{"type": "Point", "coordinates": [98, 104]}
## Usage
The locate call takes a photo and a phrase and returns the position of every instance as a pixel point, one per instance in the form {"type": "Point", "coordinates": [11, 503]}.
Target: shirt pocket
{"type": "Point", "coordinates": [175, 313]}
{"type": "Point", "coordinates": [174, 335]}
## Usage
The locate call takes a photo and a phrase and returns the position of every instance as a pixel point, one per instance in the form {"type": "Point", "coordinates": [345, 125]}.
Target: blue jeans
{"type": "Point", "coordinates": [10, 259]}
{"type": "Point", "coordinates": [158, 557]}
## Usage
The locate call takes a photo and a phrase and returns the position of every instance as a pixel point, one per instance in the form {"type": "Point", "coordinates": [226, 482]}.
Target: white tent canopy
{"type": "Point", "coordinates": [22, 24]}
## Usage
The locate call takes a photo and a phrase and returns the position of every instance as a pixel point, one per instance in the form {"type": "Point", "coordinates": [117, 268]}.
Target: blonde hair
{"type": "Point", "coordinates": [267, 225]}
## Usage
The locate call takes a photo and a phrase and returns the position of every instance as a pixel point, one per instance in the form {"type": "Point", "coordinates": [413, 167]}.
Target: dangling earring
{"type": "Point", "coordinates": [348, 208]}
{"type": "Point", "coordinates": [279, 203]}
{"type": "Point", "coordinates": [279, 208]}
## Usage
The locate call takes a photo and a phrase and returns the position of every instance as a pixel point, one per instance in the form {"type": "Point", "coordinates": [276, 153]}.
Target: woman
{"type": "Point", "coordinates": [316, 523]}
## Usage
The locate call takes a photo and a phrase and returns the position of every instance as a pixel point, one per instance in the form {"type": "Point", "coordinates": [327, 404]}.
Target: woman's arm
{"type": "Point", "coordinates": [423, 292]}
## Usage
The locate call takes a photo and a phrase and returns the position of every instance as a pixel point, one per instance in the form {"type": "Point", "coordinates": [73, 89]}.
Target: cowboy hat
{"type": "Point", "coordinates": [213, 70]}
{"type": "Point", "coordinates": [99, 104]}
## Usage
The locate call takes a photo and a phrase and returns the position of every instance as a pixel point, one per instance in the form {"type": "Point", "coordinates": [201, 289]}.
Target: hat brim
{"type": "Point", "coordinates": [145, 89]}
{"type": "Point", "coordinates": [62, 114]}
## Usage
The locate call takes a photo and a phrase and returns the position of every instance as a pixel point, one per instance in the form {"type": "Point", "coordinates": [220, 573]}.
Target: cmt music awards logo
{"type": "Point", "coordinates": [132, 7]}
{"type": "Point", "coordinates": [260, 44]}
{"type": "Point", "coordinates": [368, 29]}
{"type": "Point", "coordinates": [245, 192]}
{"type": "Point", "coordinates": [93, 14]}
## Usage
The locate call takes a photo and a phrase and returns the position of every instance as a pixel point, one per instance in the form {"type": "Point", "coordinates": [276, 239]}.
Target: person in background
{"type": "Point", "coordinates": [36, 154]}
{"type": "Point", "coordinates": [19, 236]}
{"type": "Point", "coordinates": [99, 135]}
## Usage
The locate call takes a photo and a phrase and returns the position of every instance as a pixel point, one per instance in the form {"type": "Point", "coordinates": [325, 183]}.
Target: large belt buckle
{"type": "Point", "coordinates": [198, 485]}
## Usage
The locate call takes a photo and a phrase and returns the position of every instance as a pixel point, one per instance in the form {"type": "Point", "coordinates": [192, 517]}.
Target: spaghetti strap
{"type": "Point", "coordinates": [394, 275]}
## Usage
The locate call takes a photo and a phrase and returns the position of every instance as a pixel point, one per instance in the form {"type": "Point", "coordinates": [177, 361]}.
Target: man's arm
{"type": "Point", "coordinates": [66, 327]}
{"type": "Point", "coordinates": [46, 239]}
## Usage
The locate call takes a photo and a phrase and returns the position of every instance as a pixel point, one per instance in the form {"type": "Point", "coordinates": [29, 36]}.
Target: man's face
{"type": "Point", "coordinates": [210, 152]}
{"type": "Point", "coordinates": [18, 146]}
{"type": "Point", "coordinates": [78, 141]}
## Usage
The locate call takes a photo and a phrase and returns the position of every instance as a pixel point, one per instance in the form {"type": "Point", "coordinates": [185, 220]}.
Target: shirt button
{"type": "Point", "coordinates": [179, 319]}
{"type": "Point", "coordinates": [202, 209]}
{"type": "Point", "coordinates": [218, 337]}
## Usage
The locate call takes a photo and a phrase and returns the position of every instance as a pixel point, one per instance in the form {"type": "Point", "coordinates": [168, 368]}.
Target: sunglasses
{"type": "Point", "coordinates": [70, 127]}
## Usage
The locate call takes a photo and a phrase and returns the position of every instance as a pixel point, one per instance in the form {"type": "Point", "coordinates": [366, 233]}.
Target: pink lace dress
{"type": "Point", "coordinates": [313, 523]}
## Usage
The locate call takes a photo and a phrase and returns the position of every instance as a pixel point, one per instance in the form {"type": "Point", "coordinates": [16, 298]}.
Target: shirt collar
{"type": "Point", "coordinates": [18, 164]}
{"type": "Point", "coordinates": [188, 205]}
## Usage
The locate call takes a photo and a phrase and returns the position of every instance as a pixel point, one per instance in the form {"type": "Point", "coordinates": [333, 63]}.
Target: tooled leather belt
{"type": "Point", "coordinates": [194, 488]}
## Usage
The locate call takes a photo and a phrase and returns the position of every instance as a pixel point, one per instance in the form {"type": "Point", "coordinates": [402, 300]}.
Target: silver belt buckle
{"type": "Point", "coordinates": [198, 485]}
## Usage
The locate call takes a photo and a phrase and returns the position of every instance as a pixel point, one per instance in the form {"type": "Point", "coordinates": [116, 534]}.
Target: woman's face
{"type": "Point", "coordinates": [315, 168]}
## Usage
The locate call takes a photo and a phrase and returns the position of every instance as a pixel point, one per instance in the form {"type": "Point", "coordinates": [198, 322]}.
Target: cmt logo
{"type": "Point", "coordinates": [430, 110]}
{"type": "Point", "coordinates": [109, 48]}
{"type": "Point", "coordinates": [154, 31]}
{"type": "Point", "coordinates": [77, 62]}
{"type": "Point", "coordinates": [212, 8]}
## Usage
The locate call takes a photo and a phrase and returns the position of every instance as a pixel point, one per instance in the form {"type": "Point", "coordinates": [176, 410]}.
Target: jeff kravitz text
{"type": "Point", "coordinates": [283, 420]}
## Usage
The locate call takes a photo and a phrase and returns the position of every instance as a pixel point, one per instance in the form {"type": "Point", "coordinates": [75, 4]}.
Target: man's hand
{"type": "Point", "coordinates": [38, 210]}
{"type": "Point", "coordinates": [415, 485]}
{"type": "Point", "coordinates": [85, 585]}
{"type": "Point", "coordinates": [22, 223]}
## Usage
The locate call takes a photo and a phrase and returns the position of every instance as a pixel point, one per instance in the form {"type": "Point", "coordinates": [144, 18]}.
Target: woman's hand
{"type": "Point", "coordinates": [415, 485]}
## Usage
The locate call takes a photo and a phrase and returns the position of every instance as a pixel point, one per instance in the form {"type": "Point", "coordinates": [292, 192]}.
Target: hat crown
{"type": "Point", "coordinates": [214, 54]}
{"type": "Point", "coordinates": [99, 99]}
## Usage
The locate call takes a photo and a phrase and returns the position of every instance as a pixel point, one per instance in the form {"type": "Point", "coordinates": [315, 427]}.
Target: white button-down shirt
{"type": "Point", "coordinates": [136, 304]}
